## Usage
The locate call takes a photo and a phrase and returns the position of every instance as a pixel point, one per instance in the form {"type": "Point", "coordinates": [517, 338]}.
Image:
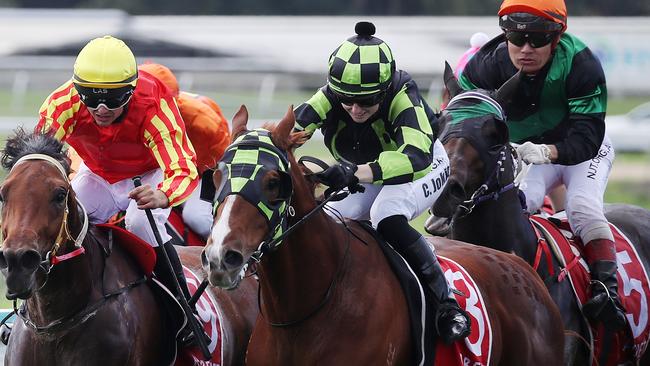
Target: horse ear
{"type": "Point", "coordinates": [285, 126]}
{"type": "Point", "coordinates": [451, 83]}
{"type": "Point", "coordinates": [505, 93]}
{"type": "Point", "coordinates": [239, 121]}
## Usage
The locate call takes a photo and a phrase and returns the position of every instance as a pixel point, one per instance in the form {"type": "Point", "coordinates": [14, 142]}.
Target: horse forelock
{"type": "Point", "coordinates": [23, 143]}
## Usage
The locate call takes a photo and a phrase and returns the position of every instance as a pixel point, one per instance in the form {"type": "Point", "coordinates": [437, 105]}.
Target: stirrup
{"type": "Point", "coordinates": [457, 326]}
{"type": "Point", "coordinates": [186, 338]}
{"type": "Point", "coordinates": [602, 307]}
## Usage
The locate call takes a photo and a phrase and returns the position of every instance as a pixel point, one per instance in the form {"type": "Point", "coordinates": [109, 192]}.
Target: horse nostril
{"type": "Point", "coordinates": [233, 259]}
{"type": "Point", "coordinates": [3, 261]}
{"type": "Point", "coordinates": [30, 260]}
{"type": "Point", "coordinates": [204, 260]}
{"type": "Point", "coordinates": [457, 191]}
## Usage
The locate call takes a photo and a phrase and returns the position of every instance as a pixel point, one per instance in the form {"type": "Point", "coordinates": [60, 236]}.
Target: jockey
{"type": "Point", "coordinates": [124, 124]}
{"type": "Point", "coordinates": [558, 118]}
{"type": "Point", "coordinates": [209, 133]}
{"type": "Point", "coordinates": [379, 128]}
{"type": "Point", "coordinates": [477, 41]}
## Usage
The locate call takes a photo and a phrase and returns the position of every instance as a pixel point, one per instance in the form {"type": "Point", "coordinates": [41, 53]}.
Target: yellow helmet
{"type": "Point", "coordinates": [105, 62]}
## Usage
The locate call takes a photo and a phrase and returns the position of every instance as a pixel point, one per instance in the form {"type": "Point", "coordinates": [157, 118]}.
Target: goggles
{"type": "Point", "coordinates": [111, 99]}
{"type": "Point", "coordinates": [363, 101]}
{"type": "Point", "coordinates": [534, 39]}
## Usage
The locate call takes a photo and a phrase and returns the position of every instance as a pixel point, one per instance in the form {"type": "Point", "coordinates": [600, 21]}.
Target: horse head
{"type": "Point", "coordinates": [39, 212]}
{"type": "Point", "coordinates": [255, 183]}
{"type": "Point", "coordinates": [476, 139]}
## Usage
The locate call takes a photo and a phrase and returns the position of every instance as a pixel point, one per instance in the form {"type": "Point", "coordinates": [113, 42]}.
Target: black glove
{"type": "Point", "coordinates": [339, 176]}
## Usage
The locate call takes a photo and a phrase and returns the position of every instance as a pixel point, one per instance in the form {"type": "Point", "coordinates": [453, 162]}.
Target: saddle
{"type": "Point", "coordinates": [476, 348]}
{"type": "Point", "coordinates": [634, 285]}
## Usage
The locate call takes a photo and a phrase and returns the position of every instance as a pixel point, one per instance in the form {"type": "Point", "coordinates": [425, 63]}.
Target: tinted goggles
{"type": "Point", "coordinates": [361, 100]}
{"type": "Point", "coordinates": [112, 99]}
{"type": "Point", "coordinates": [534, 39]}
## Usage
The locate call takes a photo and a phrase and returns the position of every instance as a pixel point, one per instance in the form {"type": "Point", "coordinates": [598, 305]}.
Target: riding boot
{"type": "Point", "coordinates": [452, 322]}
{"type": "Point", "coordinates": [604, 304]}
{"type": "Point", "coordinates": [166, 275]}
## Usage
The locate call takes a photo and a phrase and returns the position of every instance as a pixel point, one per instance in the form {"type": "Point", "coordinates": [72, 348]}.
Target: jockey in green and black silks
{"type": "Point", "coordinates": [383, 135]}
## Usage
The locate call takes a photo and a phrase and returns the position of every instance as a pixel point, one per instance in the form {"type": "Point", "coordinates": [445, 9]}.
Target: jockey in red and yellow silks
{"type": "Point", "coordinates": [124, 123]}
{"type": "Point", "coordinates": [149, 135]}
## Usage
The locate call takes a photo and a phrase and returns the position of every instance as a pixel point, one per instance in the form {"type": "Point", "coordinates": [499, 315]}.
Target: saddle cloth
{"type": "Point", "coordinates": [210, 317]}
{"type": "Point", "coordinates": [429, 350]}
{"type": "Point", "coordinates": [633, 286]}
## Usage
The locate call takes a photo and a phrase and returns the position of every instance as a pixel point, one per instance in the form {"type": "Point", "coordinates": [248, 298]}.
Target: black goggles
{"type": "Point", "coordinates": [112, 99]}
{"type": "Point", "coordinates": [361, 100]}
{"type": "Point", "coordinates": [534, 39]}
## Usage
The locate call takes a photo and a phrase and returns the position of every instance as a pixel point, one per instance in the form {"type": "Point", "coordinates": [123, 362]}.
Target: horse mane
{"type": "Point", "coordinates": [23, 143]}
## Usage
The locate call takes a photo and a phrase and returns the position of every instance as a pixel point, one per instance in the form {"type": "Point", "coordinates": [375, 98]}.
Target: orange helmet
{"type": "Point", "coordinates": [533, 15]}
{"type": "Point", "coordinates": [162, 73]}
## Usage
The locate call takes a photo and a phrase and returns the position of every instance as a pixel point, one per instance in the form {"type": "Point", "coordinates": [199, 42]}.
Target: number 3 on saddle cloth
{"type": "Point", "coordinates": [633, 285]}
{"type": "Point", "coordinates": [207, 309]}
{"type": "Point", "coordinates": [476, 349]}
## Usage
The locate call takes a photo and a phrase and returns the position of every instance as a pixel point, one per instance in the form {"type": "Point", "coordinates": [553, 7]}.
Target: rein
{"type": "Point", "coordinates": [326, 297]}
{"type": "Point", "coordinates": [483, 193]}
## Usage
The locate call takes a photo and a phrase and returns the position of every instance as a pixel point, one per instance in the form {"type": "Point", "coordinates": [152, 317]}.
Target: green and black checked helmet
{"type": "Point", "coordinates": [362, 65]}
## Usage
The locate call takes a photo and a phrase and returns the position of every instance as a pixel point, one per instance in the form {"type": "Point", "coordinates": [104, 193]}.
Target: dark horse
{"type": "Point", "coordinates": [328, 295]}
{"type": "Point", "coordinates": [86, 302]}
{"type": "Point", "coordinates": [485, 205]}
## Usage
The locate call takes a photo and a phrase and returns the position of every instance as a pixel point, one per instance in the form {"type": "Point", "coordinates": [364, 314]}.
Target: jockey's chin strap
{"type": "Point", "coordinates": [484, 193]}
{"type": "Point", "coordinates": [51, 259]}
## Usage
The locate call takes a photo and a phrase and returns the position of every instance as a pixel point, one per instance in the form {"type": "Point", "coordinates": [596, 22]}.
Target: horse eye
{"type": "Point", "coordinates": [59, 197]}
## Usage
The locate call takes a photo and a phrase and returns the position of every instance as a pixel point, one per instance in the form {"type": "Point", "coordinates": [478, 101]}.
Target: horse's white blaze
{"type": "Point", "coordinates": [219, 230]}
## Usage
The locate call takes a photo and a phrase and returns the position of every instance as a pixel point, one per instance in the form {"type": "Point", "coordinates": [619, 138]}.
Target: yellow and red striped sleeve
{"type": "Point", "coordinates": [57, 114]}
{"type": "Point", "coordinates": [166, 137]}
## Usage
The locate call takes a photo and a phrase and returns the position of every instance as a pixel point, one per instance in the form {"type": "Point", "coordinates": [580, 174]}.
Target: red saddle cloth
{"type": "Point", "coordinates": [476, 349]}
{"type": "Point", "coordinates": [210, 318]}
{"type": "Point", "coordinates": [633, 287]}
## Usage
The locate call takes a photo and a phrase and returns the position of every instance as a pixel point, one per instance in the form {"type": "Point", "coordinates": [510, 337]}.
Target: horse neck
{"type": "Point", "coordinates": [295, 278]}
{"type": "Point", "coordinates": [69, 285]}
{"type": "Point", "coordinates": [499, 224]}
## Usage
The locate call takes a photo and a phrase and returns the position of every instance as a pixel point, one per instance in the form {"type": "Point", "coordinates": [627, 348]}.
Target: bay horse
{"type": "Point", "coordinates": [327, 293]}
{"type": "Point", "coordinates": [484, 205]}
{"type": "Point", "coordinates": [86, 302]}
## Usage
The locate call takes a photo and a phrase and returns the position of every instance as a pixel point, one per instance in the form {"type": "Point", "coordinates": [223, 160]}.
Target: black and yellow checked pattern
{"type": "Point", "coordinates": [243, 164]}
{"type": "Point", "coordinates": [361, 65]}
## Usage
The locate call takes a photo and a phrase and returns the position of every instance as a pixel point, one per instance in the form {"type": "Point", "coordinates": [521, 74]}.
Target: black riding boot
{"type": "Point", "coordinates": [452, 322]}
{"type": "Point", "coordinates": [163, 271]}
{"type": "Point", "coordinates": [166, 275]}
{"type": "Point", "coordinates": [604, 304]}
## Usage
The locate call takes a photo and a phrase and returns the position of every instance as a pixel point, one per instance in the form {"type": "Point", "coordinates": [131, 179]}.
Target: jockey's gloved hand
{"type": "Point", "coordinates": [534, 153]}
{"type": "Point", "coordinates": [339, 176]}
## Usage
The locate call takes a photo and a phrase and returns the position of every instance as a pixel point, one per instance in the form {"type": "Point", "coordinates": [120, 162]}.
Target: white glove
{"type": "Point", "coordinates": [534, 153]}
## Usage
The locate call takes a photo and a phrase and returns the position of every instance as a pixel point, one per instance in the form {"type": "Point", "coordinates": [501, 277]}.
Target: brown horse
{"type": "Point", "coordinates": [486, 209]}
{"type": "Point", "coordinates": [328, 295]}
{"type": "Point", "coordinates": [86, 302]}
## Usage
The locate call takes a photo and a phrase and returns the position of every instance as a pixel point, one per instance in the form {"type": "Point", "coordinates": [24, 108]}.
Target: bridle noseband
{"type": "Point", "coordinates": [51, 259]}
